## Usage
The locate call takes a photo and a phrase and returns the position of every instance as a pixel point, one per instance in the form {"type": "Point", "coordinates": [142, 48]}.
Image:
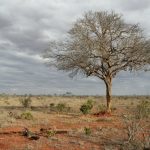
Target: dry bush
{"type": "Point", "coordinates": [26, 115]}
{"type": "Point", "coordinates": [138, 135]}
{"type": "Point", "coordinates": [26, 101]}
{"type": "Point", "coordinates": [60, 107]}
{"type": "Point", "coordinates": [143, 110]}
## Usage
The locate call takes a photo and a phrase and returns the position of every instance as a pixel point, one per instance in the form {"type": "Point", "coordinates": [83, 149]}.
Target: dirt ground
{"type": "Point", "coordinates": [67, 130]}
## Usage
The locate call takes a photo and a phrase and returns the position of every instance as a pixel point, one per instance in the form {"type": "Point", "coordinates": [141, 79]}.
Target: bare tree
{"type": "Point", "coordinates": [101, 44]}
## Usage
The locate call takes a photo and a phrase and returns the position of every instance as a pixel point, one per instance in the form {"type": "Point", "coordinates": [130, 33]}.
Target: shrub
{"type": "Point", "coordinates": [13, 115]}
{"type": "Point", "coordinates": [134, 128]}
{"type": "Point", "coordinates": [90, 104]}
{"type": "Point", "coordinates": [143, 110]}
{"type": "Point", "coordinates": [51, 133]}
{"type": "Point", "coordinates": [60, 107]}
{"type": "Point", "coordinates": [86, 108]}
{"type": "Point", "coordinates": [26, 115]}
{"type": "Point", "coordinates": [113, 108]}
{"type": "Point", "coordinates": [26, 101]}
{"type": "Point", "coordinates": [132, 103]}
{"type": "Point", "coordinates": [87, 131]}
{"type": "Point", "coordinates": [52, 105]}
{"type": "Point", "coordinates": [101, 108]}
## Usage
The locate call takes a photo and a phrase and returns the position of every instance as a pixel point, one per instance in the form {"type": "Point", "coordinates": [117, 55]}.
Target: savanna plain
{"type": "Point", "coordinates": [74, 123]}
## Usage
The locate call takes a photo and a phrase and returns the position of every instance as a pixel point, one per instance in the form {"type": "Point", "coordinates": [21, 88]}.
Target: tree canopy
{"type": "Point", "coordinates": [101, 44]}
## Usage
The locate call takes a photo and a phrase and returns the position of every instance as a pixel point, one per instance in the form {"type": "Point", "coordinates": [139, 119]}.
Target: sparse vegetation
{"type": "Point", "coordinates": [67, 130]}
{"type": "Point", "coordinates": [60, 107]}
{"type": "Point", "coordinates": [14, 115]}
{"type": "Point", "coordinates": [101, 108]}
{"type": "Point", "coordinates": [51, 133]}
{"type": "Point", "coordinates": [143, 110]}
{"type": "Point", "coordinates": [134, 129]}
{"type": "Point", "coordinates": [52, 107]}
{"type": "Point", "coordinates": [26, 101]}
{"type": "Point", "coordinates": [86, 108]}
{"type": "Point", "coordinates": [26, 115]}
{"type": "Point", "coordinates": [87, 130]}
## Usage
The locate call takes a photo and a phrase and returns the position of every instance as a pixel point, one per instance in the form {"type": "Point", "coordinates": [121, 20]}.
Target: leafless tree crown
{"type": "Point", "coordinates": [101, 44]}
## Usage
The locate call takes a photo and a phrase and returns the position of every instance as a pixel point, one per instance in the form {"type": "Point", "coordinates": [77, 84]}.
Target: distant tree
{"type": "Point", "coordinates": [101, 44]}
{"type": "Point", "coordinates": [68, 94]}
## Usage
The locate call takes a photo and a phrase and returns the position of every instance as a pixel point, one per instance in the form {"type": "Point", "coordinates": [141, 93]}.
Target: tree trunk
{"type": "Point", "coordinates": [108, 84]}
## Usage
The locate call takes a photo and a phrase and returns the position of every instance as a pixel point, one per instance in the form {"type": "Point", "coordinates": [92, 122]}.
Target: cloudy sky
{"type": "Point", "coordinates": [27, 26]}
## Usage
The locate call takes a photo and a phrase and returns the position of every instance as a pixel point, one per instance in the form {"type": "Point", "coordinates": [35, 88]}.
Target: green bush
{"type": "Point", "coordinates": [52, 105]}
{"type": "Point", "coordinates": [26, 101]}
{"type": "Point", "coordinates": [90, 104]}
{"type": "Point", "coordinates": [143, 110]}
{"type": "Point", "coordinates": [87, 131]}
{"type": "Point", "coordinates": [51, 133]}
{"type": "Point", "coordinates": [86, 108]}
{"type": "Point", "coordinates": [60, 107]}
{"type": "Point", "coordinates": [26, 115]}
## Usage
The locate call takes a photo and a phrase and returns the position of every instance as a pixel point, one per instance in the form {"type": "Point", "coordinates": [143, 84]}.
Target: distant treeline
{"type": "Point", "coordinates": [78, 96]}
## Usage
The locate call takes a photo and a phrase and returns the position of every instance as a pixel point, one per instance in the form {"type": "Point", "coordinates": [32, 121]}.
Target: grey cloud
{"type": "Point", "coordinates": [4, 22]}
{"type": "Point", "coordinates": [26, 27]}
{"type": "Point", "coordinates": [134, 5]}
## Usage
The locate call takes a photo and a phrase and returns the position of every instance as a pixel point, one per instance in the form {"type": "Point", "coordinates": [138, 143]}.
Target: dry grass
{"type": "Point", "coordinates": [103, 128]}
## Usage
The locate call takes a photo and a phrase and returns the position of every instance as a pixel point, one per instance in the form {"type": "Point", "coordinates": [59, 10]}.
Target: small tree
{"type": "Point", "coordinates": [101, 44]}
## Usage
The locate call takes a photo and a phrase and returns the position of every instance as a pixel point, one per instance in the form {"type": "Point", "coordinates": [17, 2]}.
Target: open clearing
{"type": "Point", "coordinates": [67, 129]}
